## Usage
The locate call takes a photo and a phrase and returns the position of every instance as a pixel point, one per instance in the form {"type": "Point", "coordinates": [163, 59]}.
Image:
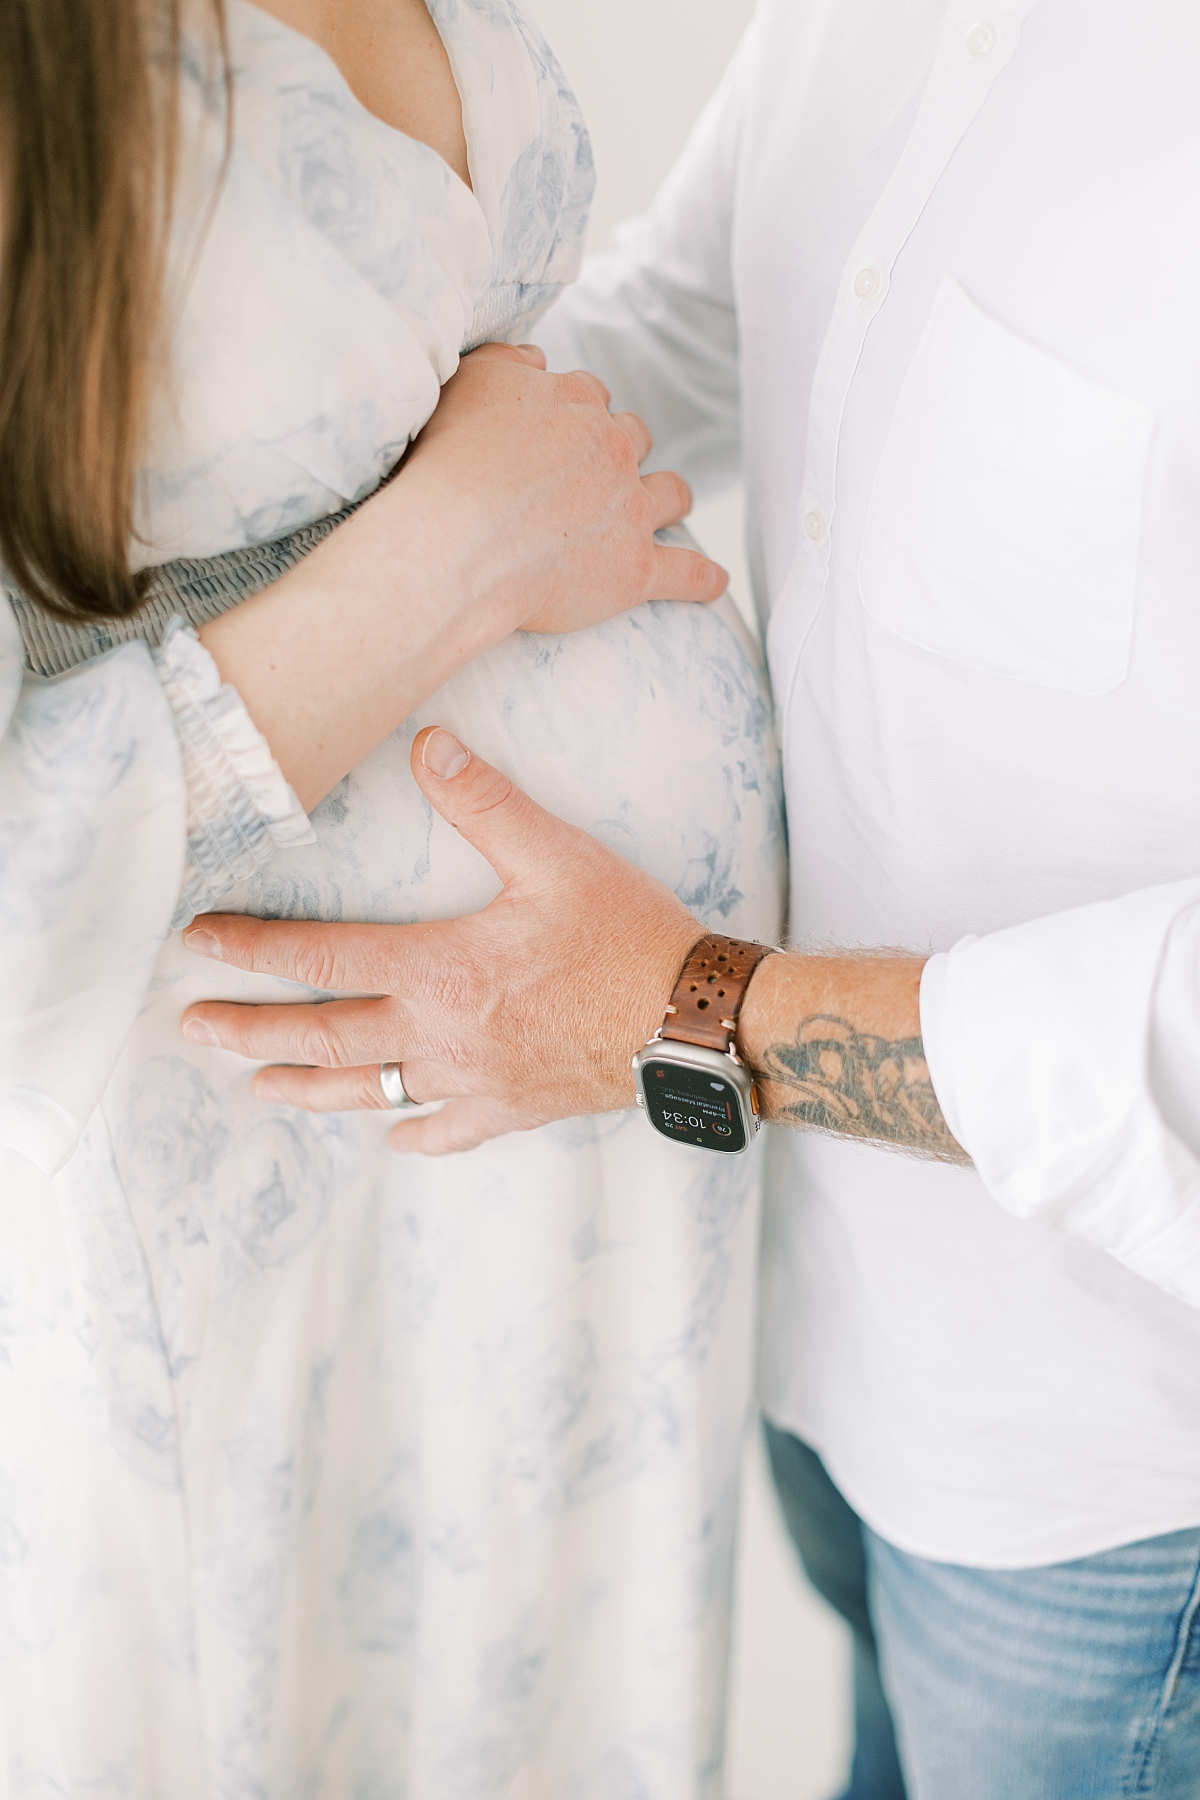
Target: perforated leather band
{"type": "Point", "coordinates": [709, 993]}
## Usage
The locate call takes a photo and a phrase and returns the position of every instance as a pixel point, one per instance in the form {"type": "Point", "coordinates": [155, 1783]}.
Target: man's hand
{"type": "Point", "coordinates": [531, 1009]}
{"type": "Point", "coordinates": [525, 1012]}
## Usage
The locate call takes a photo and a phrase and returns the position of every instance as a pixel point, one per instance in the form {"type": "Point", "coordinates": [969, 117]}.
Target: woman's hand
{"type": "Point", "coordinates": [519, 508]}
{"type": "Point", "coordinates": [539, 490]}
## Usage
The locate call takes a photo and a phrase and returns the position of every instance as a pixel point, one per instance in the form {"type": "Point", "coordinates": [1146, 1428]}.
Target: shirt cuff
{"type": "Point", "coordinates": [935, 1032]}
{"type": "Point", "coordinates": [1037, 1040]}
{"type": "Point", "coordinates": [240, 809]}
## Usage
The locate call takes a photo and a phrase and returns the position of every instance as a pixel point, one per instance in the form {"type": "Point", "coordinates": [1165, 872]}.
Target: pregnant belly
{"type": "Point", "coordinates": [654, 732]}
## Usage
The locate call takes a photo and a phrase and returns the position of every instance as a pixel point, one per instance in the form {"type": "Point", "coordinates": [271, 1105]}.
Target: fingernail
{"type": "Point", "coordinates": [265, 1089]}
{"type": "Point", "coordinates": [202, 943]}
{"type": "Point", "coordinates": [197, 1032]}
{"type": "Point", "coordinates": [443, 755]}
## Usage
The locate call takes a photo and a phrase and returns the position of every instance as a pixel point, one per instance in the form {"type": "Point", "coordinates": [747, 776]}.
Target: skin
{"type": "Point", "coordinates": [520, 509]}
{"type": "Point", "coordinates": [393, 60]}
{"type": "Point", "coordinates": [493, 1013]}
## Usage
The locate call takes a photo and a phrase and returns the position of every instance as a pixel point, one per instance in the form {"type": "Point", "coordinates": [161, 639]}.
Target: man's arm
{"type": "Point", "coordinates": [655, 317]}
{"type": "Point", "coordinates": [491, 1013]}
{"type": "Point", "coordinates": [1040, 1049]}
{"type": "Point", "coordinates": [836, 1044]}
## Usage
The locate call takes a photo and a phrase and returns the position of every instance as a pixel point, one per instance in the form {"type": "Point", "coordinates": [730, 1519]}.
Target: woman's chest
{"type": "Point", "coordinates": [342, 270]}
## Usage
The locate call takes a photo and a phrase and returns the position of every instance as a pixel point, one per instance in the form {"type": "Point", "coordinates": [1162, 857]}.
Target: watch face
{"type": "Point", "coordinates": [693, 1106]}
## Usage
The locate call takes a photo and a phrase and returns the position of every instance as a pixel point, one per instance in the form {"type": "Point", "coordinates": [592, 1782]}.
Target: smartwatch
{"type": "Point", "coordinates": [691, 1083]}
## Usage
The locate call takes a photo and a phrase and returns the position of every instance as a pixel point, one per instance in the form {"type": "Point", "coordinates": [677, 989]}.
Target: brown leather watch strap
{"type": "Point", "coordinates": [710, 991]}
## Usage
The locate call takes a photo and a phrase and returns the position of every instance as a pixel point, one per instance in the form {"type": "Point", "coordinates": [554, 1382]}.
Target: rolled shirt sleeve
{"type": "Point", "coordinates": [1065, 1054]}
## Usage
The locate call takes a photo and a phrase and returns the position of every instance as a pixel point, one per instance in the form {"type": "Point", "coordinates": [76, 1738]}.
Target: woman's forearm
{"type": "Point", "coordinates": [334, 656]}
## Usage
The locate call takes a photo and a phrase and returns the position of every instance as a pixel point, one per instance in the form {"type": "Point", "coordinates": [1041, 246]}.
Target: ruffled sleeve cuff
{"type": "Point", "coordinates": [240, 809]}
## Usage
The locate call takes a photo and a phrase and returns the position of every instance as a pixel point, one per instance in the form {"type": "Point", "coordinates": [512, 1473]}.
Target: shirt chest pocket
{"type": "Point", "coordinates": [1004, 521]}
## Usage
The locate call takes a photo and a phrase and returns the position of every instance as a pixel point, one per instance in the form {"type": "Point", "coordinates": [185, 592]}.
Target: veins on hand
{"type": "Point", "coordinates": [849, 1084]}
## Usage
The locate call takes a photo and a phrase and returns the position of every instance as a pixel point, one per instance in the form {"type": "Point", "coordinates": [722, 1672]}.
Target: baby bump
{"type": "Point", "coordinates": [653, 731]}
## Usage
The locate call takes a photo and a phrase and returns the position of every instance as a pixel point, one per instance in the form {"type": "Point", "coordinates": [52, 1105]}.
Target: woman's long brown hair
{"type": "Point", "coordinates": [89, 126]}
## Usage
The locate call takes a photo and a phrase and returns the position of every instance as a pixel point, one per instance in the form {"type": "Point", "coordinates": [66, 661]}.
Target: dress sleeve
{"type": "Point", "coordinates": [240, 810]}
{"type": "Point", "coordinates": [655, 317]}
{"type": "Point", "coordinates": [123, 784]}
{"type": "Point", "coordinates": [1065, 1054]}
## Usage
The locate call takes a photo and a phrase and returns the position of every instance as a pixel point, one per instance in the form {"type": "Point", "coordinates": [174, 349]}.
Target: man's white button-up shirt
{"type": "Point", "coordinates": [929, 276]}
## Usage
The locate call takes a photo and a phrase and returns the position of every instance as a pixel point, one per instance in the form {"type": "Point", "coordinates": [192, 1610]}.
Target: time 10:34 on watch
{"type": "Point", "coordinates": [691, 1083]}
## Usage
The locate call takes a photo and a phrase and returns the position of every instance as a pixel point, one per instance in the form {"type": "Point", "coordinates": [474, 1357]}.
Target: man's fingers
{"type": "Point", "coordinates": [318, 955]}
{"type": "Point", "coordinates": [638, 433]}
{"type": "Point", "coordinates": [670, 497]}
{"type": "Point", "coordinates": [460, 1125]}
{"type": "Point", "coordinates": [322, 1090]}
{"type": "Point", "coordinates": [531, 353]}
{"type": "Point", "coordinates": [336, 1035]}
{"type": "Point", "coordinates": [351, 1090]}
{"type": "Point", "coordinates": [489, 810]}
{"type": "Point", "coordinates": [686, 575]}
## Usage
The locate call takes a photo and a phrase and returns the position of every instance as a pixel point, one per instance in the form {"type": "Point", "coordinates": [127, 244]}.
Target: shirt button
{"type": "Point", "coordinates": [814, 526]}
{"type": "Point", "coordinates": [866, 283]}
{"type": "Point", "coordinates": [981, 40]}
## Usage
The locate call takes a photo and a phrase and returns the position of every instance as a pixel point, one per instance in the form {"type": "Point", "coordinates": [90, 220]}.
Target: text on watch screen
{"type": "Point", "coordinates": [693, 1106]}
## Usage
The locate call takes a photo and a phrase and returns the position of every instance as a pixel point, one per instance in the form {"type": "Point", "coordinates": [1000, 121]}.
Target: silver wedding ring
{"type": "Point", "coordinates": [392, 1083]}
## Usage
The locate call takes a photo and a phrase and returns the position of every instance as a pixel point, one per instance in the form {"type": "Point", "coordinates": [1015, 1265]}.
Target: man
{"type": "Point", "coordinates": [930, 273]}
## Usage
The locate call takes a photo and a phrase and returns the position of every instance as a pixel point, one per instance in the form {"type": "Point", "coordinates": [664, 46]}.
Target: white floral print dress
{"type": "Point", "coordinates": [327, 1473]}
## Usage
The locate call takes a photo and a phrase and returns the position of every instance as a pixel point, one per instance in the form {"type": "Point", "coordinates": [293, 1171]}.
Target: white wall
{"type": "Point", "coordinates": [642, 70]}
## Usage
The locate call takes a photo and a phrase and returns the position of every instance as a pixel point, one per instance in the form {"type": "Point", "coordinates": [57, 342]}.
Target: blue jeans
{"type": "Point", "coordinates": [1080, 1681]}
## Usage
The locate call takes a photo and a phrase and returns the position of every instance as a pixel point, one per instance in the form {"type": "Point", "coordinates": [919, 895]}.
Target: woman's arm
{"type": "Point", "coordinates": [519, 508]}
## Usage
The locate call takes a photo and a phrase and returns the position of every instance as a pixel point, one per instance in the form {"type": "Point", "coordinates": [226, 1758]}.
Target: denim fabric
{"type": "Point", "coordinates": [1079, 1681]}
{"type": "Point", "coordinates": [828, 1534]}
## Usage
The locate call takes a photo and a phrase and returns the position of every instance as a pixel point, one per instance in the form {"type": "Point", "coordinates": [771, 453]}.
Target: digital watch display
{"type": "Point", "coordinates": [691, 1083]}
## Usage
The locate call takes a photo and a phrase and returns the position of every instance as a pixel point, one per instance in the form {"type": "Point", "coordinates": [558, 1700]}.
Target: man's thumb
{"type": "Point", "coordinates": [489, 810]}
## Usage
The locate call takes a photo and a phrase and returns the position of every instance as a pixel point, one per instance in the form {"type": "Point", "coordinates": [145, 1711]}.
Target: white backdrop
{"type": "Point", "coordinates": [643, 69]}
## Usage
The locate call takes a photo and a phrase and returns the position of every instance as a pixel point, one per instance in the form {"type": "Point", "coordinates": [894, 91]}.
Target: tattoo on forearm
{"type": "Point", "coordinates": [853, 1085]}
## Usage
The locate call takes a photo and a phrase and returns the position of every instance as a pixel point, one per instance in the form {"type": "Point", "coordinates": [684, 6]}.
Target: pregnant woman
{"type": "Point", "coordinates": [327, 1472]}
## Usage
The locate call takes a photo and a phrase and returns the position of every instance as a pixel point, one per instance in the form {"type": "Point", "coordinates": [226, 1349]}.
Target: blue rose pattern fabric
{"type": "Point", "coordinates": [326, 1472]}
